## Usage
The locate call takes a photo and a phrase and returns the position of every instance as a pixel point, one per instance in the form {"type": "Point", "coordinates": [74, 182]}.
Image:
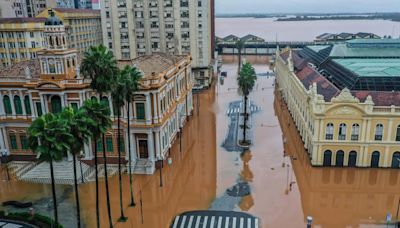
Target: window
{"type": "Point", "coordinates": [355, 132]}
{"type": "Point", "coordinates": [342, 131]}
{"type": "Point", "coordinates": [17, 105]}
{"type": "Point", "coordinates": [13, 142]}
{"type": "Point", "coordinates": [27, 104]}
{"type": "Point", "coordinates": [109, 144]}
{"type": "Point", "coordinates": [329, 131]}
{"type": "Point", "coordinates": [24, 142]}
{"type": "Point", "coordinates": [74, 105]}
{"type": "Point", "coordinates": [398, 133]}
{"type": "Point", "coordinates": [122, 143]}
{"type": "Point", "coordinates": [7, 105]}
{"type": "Point", "coordinates": [39, 108]}
{"type": "Point", "coordinates": [99, 145]}
{"type": "Point", "coordinates": [379, 132]}
{"type": "Point", "coordinates": [56, 104]}
{"type": "Point", "coordinates": [140, 112]}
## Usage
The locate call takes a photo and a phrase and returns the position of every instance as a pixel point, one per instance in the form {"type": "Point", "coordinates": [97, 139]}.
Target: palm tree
{"type": "Point", "coordinates": [100, 113]}
{"type": "Point", "coordinates": [100, 66]}
{"type": "Point", "coordinates": [48, 137]}
{"type": "Point", "coordinates": [246, 81]}
{"type": "Point", "coordinates": [133, 76]}
{"type": "Point", "coordinates": [239, 45]}
{"type": "Point", "coordinates": [118, 101]}
{"type": "Point", "coordinates": [80, 125]}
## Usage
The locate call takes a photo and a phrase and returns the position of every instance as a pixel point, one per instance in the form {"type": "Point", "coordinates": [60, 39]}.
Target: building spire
{"type": "Point", "coordinates": [290, 61]}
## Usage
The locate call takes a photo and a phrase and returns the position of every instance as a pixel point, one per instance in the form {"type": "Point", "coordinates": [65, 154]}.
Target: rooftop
{"type": "Point", "coordinates": [154, 64]}
{"type": "Point", "coordinates": [19, 20]}
{"type": "Point", "coordinates": [374, 67]}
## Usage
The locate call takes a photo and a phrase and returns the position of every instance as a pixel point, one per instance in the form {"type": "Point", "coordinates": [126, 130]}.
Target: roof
{"type": "Point", "coordinates": [17, 20]}
{"type": "Point", "coordinates": [18, 70]}
{"type": "Point", "coordinates": [380, 98]}
{"type": "Point", "coordinates": [155, 63]}
{"type": "Point", "coordinates": [230, 37]}
{"type": "Point", "coordinates": [251, 37]}
{"type": "Point", "coordinates": [374, 67]}
{"type": "Point", "coordinates": [211, 219]}
{"type": "Point", "coordinates": [72, 10]}
{"type": "Point", "coordinates": [53, 19]}
{"type": "Point", "coordinates": [318, 48]}
{"type": "Point", "coordinates": [360, 50]}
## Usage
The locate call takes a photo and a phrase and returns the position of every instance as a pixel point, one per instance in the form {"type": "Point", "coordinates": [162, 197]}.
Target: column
{"type": "Point", "coordinates": [158, 151]}
{"type": "Point", "coordinates": [5, 138]}
{"type": "Point", "coordinates": [12, 102]}
{"type": "Point", "coordinates": [2, 112]}
{"type": "Point", "coordinates": [133, 147]}
{"type": "Point", "coordinates": [2, 138]}
{"type": "Point", "coordinates": [127, 145]}
{"type": "Point", "coordinates": [160, 114]}
{"type": "Point", "coordinates": [386, 157]}
{"type": "Point", "coordinates": [43, 103]}
{"type": "Point", "coordinates": [148, 109]}
{"type": "Point", "coordinates": [87, 150]}
{"type": "Point", "coordinates": [155, 104]}
{"type": "Point", "coordinates": [22, 103]}
{"type": "Point", "coordinates": [110, 104]}
{"type": "Point", "coordinates": [389, 131]}
{"type": "Point", "coordinates": [150, 146]}
{"type": "Point", "coordinates": [63, 100]}
{"type": "Point", "coordinates": [32, 106]}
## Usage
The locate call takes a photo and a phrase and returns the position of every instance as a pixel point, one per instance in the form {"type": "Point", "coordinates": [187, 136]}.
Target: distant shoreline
{"type": "Point", "coordinates": [319, 17]}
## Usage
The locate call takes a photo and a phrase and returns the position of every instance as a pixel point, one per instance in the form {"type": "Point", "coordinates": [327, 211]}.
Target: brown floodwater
{"type": "Point", "coordinates": [285, 189]}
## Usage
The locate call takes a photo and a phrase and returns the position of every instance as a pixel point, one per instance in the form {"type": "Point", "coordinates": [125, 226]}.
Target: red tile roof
{"type": "Point", "coordinates": [22, 20]}
{"type": "Point", "coordinates": [380, 98]}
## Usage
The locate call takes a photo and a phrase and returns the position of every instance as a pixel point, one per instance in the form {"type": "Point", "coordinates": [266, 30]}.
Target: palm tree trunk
{"type": "Point", "coordinates": [245, 119]}
{"type": "Point", "coordinates": [130, 156]}
{"type": "Point", "coordinates": [97, 183]}
{"type": "Point", "coordinates": [53, 189]}
{"type": "Point", "coordinates": [122, 218]}
{"type": "Point", "coordinates": [106, 177]}
{"type": "Point", "coordinates": [240, 59]}
{"type": "Point", "coordinates": [78, 211]}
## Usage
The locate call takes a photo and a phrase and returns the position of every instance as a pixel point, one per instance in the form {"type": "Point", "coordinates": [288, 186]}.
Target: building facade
{"type": "Point", "coordinates": [24, 8]}
{"type": "Point", "coordinates": [21, 38]}
{"type": "Point", "coordinates": [52, 81]}
{"type": "Point", "coordinates": [142, 27]}
{"type": "Point", "coordinates": [342, 124]}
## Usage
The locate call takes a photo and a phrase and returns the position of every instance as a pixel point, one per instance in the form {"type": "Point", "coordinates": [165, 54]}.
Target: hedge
{"type": "Point", "coordinates": [37, 219]}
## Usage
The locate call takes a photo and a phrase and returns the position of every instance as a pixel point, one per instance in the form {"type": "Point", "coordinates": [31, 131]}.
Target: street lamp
{"type": "Point", "coordinates": [309, 221]}
{"type": "Point", "coordinates": [4, 155]}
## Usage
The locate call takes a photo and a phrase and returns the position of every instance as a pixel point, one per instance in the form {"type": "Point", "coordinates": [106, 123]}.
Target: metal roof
{"type": "Point", "coordinates": [375, 67]}
{"type": "Point", "coordinates": [215, 219]}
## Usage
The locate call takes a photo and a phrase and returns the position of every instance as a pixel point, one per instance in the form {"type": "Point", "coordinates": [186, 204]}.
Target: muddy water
{"type": "Point", "coordinates": [284, 187]}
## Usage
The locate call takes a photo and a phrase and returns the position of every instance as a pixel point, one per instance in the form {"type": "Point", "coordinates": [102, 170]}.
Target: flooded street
{"type": "Point", "coordinates": [284, 188]}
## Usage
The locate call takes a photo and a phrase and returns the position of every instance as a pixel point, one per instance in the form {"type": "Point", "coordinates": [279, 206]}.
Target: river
{"type": "Point", "coordinates": [270, 30]}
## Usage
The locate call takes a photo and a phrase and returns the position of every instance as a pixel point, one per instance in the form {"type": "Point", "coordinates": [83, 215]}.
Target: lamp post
{"type": "Point", "coordinates": [4, 159]}
{"type": "Point", "coordinates": [309, 221]}
{"type": "Point", "coordinates": [80, 164]}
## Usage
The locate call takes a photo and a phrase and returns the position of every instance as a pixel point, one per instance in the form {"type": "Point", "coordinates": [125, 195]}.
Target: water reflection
{"type": "Point", "coordinates": [338, 197]}
{"type": "Point", "coordinates": [189, 183]}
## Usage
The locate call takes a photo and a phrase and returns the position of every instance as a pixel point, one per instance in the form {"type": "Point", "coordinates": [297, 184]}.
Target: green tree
{"type": "Point", "coordinates": [118, 92]}
{"type": "Point", "coordinates": [80, 125]}
{"type": "Point", "coordinates": [246, 81]}
{"type": "Point", "coordinates": [132, 78]}
{"type": "Point", "coordinates": [100, 66]}
{"type": "Point", "coordinates": [100, 114]}
{"type": "Point", "coordinates": [239, 46]}
{"type": "Point", "coordinates": [48, 137]}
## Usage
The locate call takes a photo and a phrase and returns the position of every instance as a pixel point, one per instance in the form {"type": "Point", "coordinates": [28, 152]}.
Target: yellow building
{"type": "Point", "coordinates": [52, 81]}
{"type": "Point", "coordinates": [344, 101]}
{"type": "Point", "coordinates": [83, 26]}
{"type": "Point", "coordinates": [21, 38]}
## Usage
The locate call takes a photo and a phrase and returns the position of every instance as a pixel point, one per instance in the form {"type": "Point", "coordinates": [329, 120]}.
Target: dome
{"type": "Point", "coordinates": [53, 19]}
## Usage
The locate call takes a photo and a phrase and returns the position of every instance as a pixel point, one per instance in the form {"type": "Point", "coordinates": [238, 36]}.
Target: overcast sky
{"type": "Point", "coordinates": [305, 6]}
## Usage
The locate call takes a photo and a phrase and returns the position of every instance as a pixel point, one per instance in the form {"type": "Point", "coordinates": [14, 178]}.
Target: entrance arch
{"type": "Point", "coordinates": [396, 160]}
{"type": "Point", "coordinates": [56, 104]}
{"type": "Point", "coordinates": [375, 159]}
{"type": "Point", "coordinates": [339, 158]}
{"type": "Point", "coordinates": [352, 159]}
{"type": "Point", "coordinates": [327, 158]}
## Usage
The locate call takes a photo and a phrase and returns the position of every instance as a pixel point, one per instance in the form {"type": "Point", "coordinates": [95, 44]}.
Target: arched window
{"type": "Point", "coordinates": [375, 159]}
{"type": "Point", "coordinates": [396, 160]}
{"type": "Point", "coordinates": [398, 133]}
{"type": "Point", "coordinates": [17, 105]}
{"type": "Point", "coordinates": [342, 131]}
{"type": "Point", "coordinates": [329, 131]}
{"type": "Point", "coordinates": [355, 132]}
{"type": "Point", "coordinates": [56, 104]}
{"type": "Point", "coordinates": [379, 132]}
{"type": "Point", "coordinates": [93, 98]}
{"type": "Point", "coordinates": [352, 159]}
{"type": "Point", "coordinates": [339, 158]}
{"type": "Point", "coordinates": [7, 105]}
{"type": "Point", "coordinates": [27, 104]}
{"type": "Point", "coordinates": [327, 158]}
